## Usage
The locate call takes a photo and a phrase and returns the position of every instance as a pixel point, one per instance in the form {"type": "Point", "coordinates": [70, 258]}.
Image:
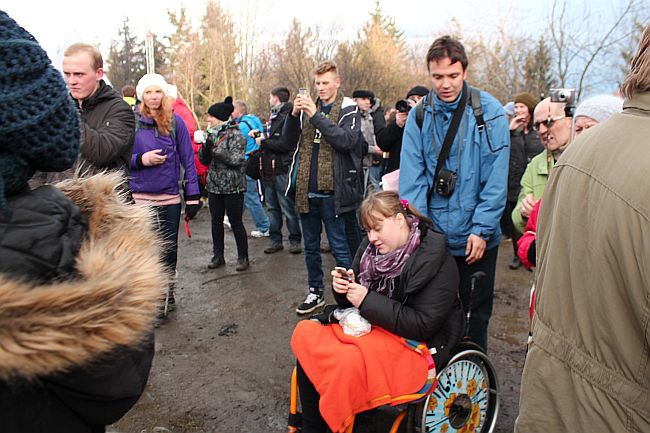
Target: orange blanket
{"type": "Point", "coordinates": [353, 374]}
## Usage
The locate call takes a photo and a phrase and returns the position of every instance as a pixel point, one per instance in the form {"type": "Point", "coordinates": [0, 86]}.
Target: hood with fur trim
{"type": "Point", "coordinates": [113, 300]}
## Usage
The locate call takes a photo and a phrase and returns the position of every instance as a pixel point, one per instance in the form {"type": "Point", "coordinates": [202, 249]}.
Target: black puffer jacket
{"type": "Point", "coordinates": [390, 140]}
{"type": "Point", "coordinates": [426, 305]}
{"type": "Point", "coordinates": [107, 131]}
{"type": "Point", "coordinates": [77, 331]}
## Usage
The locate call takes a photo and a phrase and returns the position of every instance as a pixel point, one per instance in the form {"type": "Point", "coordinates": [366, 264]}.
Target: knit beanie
{"type": "Point", "coordinates": [222, 110]}
{"type": "Point", "coordinates": [149, 80]}
{"type": "Point", "coordinates": [418, 91]}
{"type": "Point", "coordinates": [599, 107]}
{"type": "Point", "coordinates": [528, 100]}
{"type": "Point", "coordinates": [39, 121]}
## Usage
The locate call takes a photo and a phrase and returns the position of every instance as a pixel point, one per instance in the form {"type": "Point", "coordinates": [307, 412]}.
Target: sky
{"type": "Point", "coordinates": [59, 23]}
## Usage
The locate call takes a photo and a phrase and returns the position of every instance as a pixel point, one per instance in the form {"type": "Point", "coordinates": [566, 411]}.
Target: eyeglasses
{"type": "Point", "coordinates": [548, 122]}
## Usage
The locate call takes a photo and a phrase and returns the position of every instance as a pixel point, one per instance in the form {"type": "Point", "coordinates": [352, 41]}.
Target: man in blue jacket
{"type": "Point", "coordinates": [468, 213]}
{"type": "Point", "coordinates": [247, 123]}
{"type": "Point", "coordinates": [326, 173]}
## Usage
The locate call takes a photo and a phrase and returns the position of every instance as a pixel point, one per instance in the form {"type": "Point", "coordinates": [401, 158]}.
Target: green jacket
{"type": "Point", "coordinates": [533, 182]}
{"type": "Point", "coordinates": [587, 368]}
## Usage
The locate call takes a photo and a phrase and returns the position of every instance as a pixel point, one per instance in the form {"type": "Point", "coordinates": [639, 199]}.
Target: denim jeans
{"type": "Point", "coordinates": [254, 205]}
{"type": "Point", "coordinates": [322, 210]}
{"type": "Point", "coordinates": [167, 222]}
{"type": "Point", "coordinates": [280, 204]}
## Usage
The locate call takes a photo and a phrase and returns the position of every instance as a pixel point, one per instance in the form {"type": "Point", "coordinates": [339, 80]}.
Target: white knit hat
{"type": "Point", "coordinates": [599, 107]}
{"type": "Point", "coordinates": [151, 80]}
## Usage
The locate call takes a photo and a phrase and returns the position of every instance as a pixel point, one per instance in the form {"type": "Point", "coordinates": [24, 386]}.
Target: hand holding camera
{"type": "Point", "coordinates": [303, 102]}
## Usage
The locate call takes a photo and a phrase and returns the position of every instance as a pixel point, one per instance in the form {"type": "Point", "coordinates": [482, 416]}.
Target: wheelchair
{"type": "Point", "coordinates": [465, 400]}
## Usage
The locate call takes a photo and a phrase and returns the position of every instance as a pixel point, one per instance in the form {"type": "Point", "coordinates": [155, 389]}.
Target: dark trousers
{"type": "Point", "coordinates": [233, 205]}
{"type": "Point", "coordinates": [352, 231]}
{"type": "Point", "coordinates": [167, 222]}
{"type": "Point", "coordinates": [278, 205]}
{"type": "Point", "coordinates": [321, 211]}
{"type": "Point", "coordinates": [508, 227]}
{"type": "Point", "coordinates": [312, 421]}
{"type": "Point", "coordinates": [482, 297]}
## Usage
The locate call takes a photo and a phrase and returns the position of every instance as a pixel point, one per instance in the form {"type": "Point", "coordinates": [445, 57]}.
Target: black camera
{"type": "Point", "coordinates": [256, 133]}
{"type": "Point", "coordinates": [445, 183]}
{"type": "Point", "coordinates": [567, 96]}
{"type": "Point", "coordinates": [403, 106]}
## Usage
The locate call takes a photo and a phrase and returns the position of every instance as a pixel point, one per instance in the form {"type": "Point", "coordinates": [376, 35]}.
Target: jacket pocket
{"type": "Point", "coordinates": [489, 133]}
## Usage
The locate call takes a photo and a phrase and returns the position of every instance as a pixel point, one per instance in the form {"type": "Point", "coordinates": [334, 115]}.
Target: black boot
{"type": "Point", "coordinates": [217, 261]}
{"type": "Point", "coordinates": [242, 264]}
{"type": "Point", "coordinates": [515, 263]}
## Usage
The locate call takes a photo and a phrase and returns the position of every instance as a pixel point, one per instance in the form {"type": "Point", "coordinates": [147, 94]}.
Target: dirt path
{"type": "Point", "coordinates": [223, 361]}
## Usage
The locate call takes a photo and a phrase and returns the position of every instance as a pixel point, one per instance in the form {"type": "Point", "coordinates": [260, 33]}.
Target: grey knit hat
{"type": "Point", "coordinates": [599, 107]}
{"type": "Point", "coordinates": [39, 122]}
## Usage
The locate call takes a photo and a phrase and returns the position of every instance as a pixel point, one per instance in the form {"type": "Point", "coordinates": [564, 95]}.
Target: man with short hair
{"type": "Point", "coordinates": [328, 178]}
{"type": "Point", "coordinates": [277, 153]}
{"type": "Point", "coordinates": [553, 127]}
{"type": "Point", "coordinates": [252, 202]}
{"type": "Point", "coordinates": [587, 367]}
{"type": "Point", "coordinates": [107, 122]}
{"type": "Point", "coordinates": [465, 197]}
{"type": "Point", "coordinates": [373, 124]}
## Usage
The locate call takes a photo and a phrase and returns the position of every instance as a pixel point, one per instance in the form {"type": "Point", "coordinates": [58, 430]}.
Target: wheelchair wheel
{"type": "Point", "coordinates": [466, 399]}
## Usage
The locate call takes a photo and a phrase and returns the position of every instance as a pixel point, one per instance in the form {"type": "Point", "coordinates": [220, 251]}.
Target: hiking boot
{"type": "Point", "coordinates": [313, 300]}
{"type": "Point", "coordinates": [273, 249]}
{"type": "Point", "coordinates": [295, 248]}
{"type": "Point", "coordinates": [515, 263]}
{"type": "Point", "coordinates": [216, 262]}
{"type": "Point", "coordinates": [242, 264]}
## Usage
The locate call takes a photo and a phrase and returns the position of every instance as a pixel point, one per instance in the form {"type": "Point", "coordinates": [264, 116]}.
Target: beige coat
{"type": "Point", "coordinates": [588, 368]}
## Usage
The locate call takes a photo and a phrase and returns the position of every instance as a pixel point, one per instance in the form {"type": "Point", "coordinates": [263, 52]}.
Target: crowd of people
{"type": "Point", "coordinates": [466, 168]}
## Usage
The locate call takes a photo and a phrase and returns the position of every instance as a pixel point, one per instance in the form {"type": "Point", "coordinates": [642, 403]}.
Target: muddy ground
{"type": "Point", "coordinates": [223, 361]}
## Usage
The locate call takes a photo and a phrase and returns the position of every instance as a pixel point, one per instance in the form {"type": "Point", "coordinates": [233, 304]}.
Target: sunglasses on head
{"type": "Point", "coordinates": [548, 122]}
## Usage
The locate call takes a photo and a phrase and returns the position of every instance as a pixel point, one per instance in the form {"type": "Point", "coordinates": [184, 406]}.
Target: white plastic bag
{"type": "Point", "coordinates": [352, 322]}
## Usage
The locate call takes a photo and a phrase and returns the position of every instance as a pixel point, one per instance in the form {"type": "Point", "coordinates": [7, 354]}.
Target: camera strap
{"type": "Point", "coordinates": [449, 137]}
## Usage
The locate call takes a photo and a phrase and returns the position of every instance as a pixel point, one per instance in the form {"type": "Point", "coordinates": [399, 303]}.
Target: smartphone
{"type": "Point", "coordinates": [302, 91]}
{"type": "Point", "coordinates": [343, 273]}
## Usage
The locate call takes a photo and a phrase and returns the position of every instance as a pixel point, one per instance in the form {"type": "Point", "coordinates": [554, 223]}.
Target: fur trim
{"type": "Point", "coordinates": [53, 327]}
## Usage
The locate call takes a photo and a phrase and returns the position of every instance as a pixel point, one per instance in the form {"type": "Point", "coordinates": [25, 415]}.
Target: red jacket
{"type": "Point", "coordinates": [181, 108]}
{"type": "Point", "coordinates": [524, 243]}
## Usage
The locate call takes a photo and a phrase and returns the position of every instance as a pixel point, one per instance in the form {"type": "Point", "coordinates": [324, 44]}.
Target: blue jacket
{"type": "Point", "coordinates": [163, 178]}
{"type": "Point", "coordinates": [255, 123]}
{"type": "Point", "coordinates": [480, 159]}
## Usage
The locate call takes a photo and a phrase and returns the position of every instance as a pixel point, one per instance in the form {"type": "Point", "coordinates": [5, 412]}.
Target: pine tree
{"type": "Point", "coordinates": [537, 71]}
{"type": "Point", "coordinates": [126, 59]}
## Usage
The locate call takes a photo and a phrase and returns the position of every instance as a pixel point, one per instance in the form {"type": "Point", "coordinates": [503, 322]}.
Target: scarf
{"type": "Point", "coordinates": [325, 158]}
{"type": "Point", "coordinates": [378, 271]}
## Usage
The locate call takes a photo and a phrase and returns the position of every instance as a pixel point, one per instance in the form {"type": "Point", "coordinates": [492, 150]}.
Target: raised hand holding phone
{"type": "Point", "coordinates": [341, 278]}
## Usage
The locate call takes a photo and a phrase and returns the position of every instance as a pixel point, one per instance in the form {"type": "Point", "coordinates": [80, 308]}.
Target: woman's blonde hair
{"type": "Point", "coordinates": [637, 79]}
{"type": "Point", "coordinates": [386, 204]}
{"type": "Point", "coordinates": [163, 117]}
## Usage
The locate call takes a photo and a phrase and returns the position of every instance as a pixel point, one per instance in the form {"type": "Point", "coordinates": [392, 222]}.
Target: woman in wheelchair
{"type": "Point", "coordinates": [403, 281]}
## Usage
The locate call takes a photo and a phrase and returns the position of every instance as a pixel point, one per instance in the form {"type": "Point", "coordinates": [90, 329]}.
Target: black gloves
{"type": "Point", "coordinates": [192, 209]}
{"type": "Point", "coordinates": [326, 316]}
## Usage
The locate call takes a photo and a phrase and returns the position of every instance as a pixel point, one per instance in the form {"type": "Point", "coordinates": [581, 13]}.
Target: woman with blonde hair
{"type": "Point", "coordinates": [162, 144]}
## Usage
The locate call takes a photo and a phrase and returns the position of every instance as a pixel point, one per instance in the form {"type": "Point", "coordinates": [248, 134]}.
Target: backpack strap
{"type": "Point", "coordinates": [475, 100]}
{"type": "Point", "coordinates": [172, 132]}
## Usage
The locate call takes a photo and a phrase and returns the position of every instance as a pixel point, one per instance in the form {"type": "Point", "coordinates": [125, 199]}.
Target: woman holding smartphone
{"type": "Point", "coordinates": [403, 280]}
{"type": "Point", "coordinates": [162, 144]}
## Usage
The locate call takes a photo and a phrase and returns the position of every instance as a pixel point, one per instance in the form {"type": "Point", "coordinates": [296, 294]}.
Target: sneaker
{"type": "Point", "coordinates": [312, 301]}
{"type": "Point", "coordinates": [295, 248]}
{"type": "Point", "coordinates": [226, 222]}
{"type": "Point", "coordinates": [216, 262]}
{"type": "Point", "coordinates": [260, 234]}
{"type": "Point", "coordinates": [242, 264]}
{"type": "Point", "coordinates": [273, 249]}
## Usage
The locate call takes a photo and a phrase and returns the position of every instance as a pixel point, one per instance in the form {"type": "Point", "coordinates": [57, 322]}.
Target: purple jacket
{"type": "Point", "coordinates": [163, 178]}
